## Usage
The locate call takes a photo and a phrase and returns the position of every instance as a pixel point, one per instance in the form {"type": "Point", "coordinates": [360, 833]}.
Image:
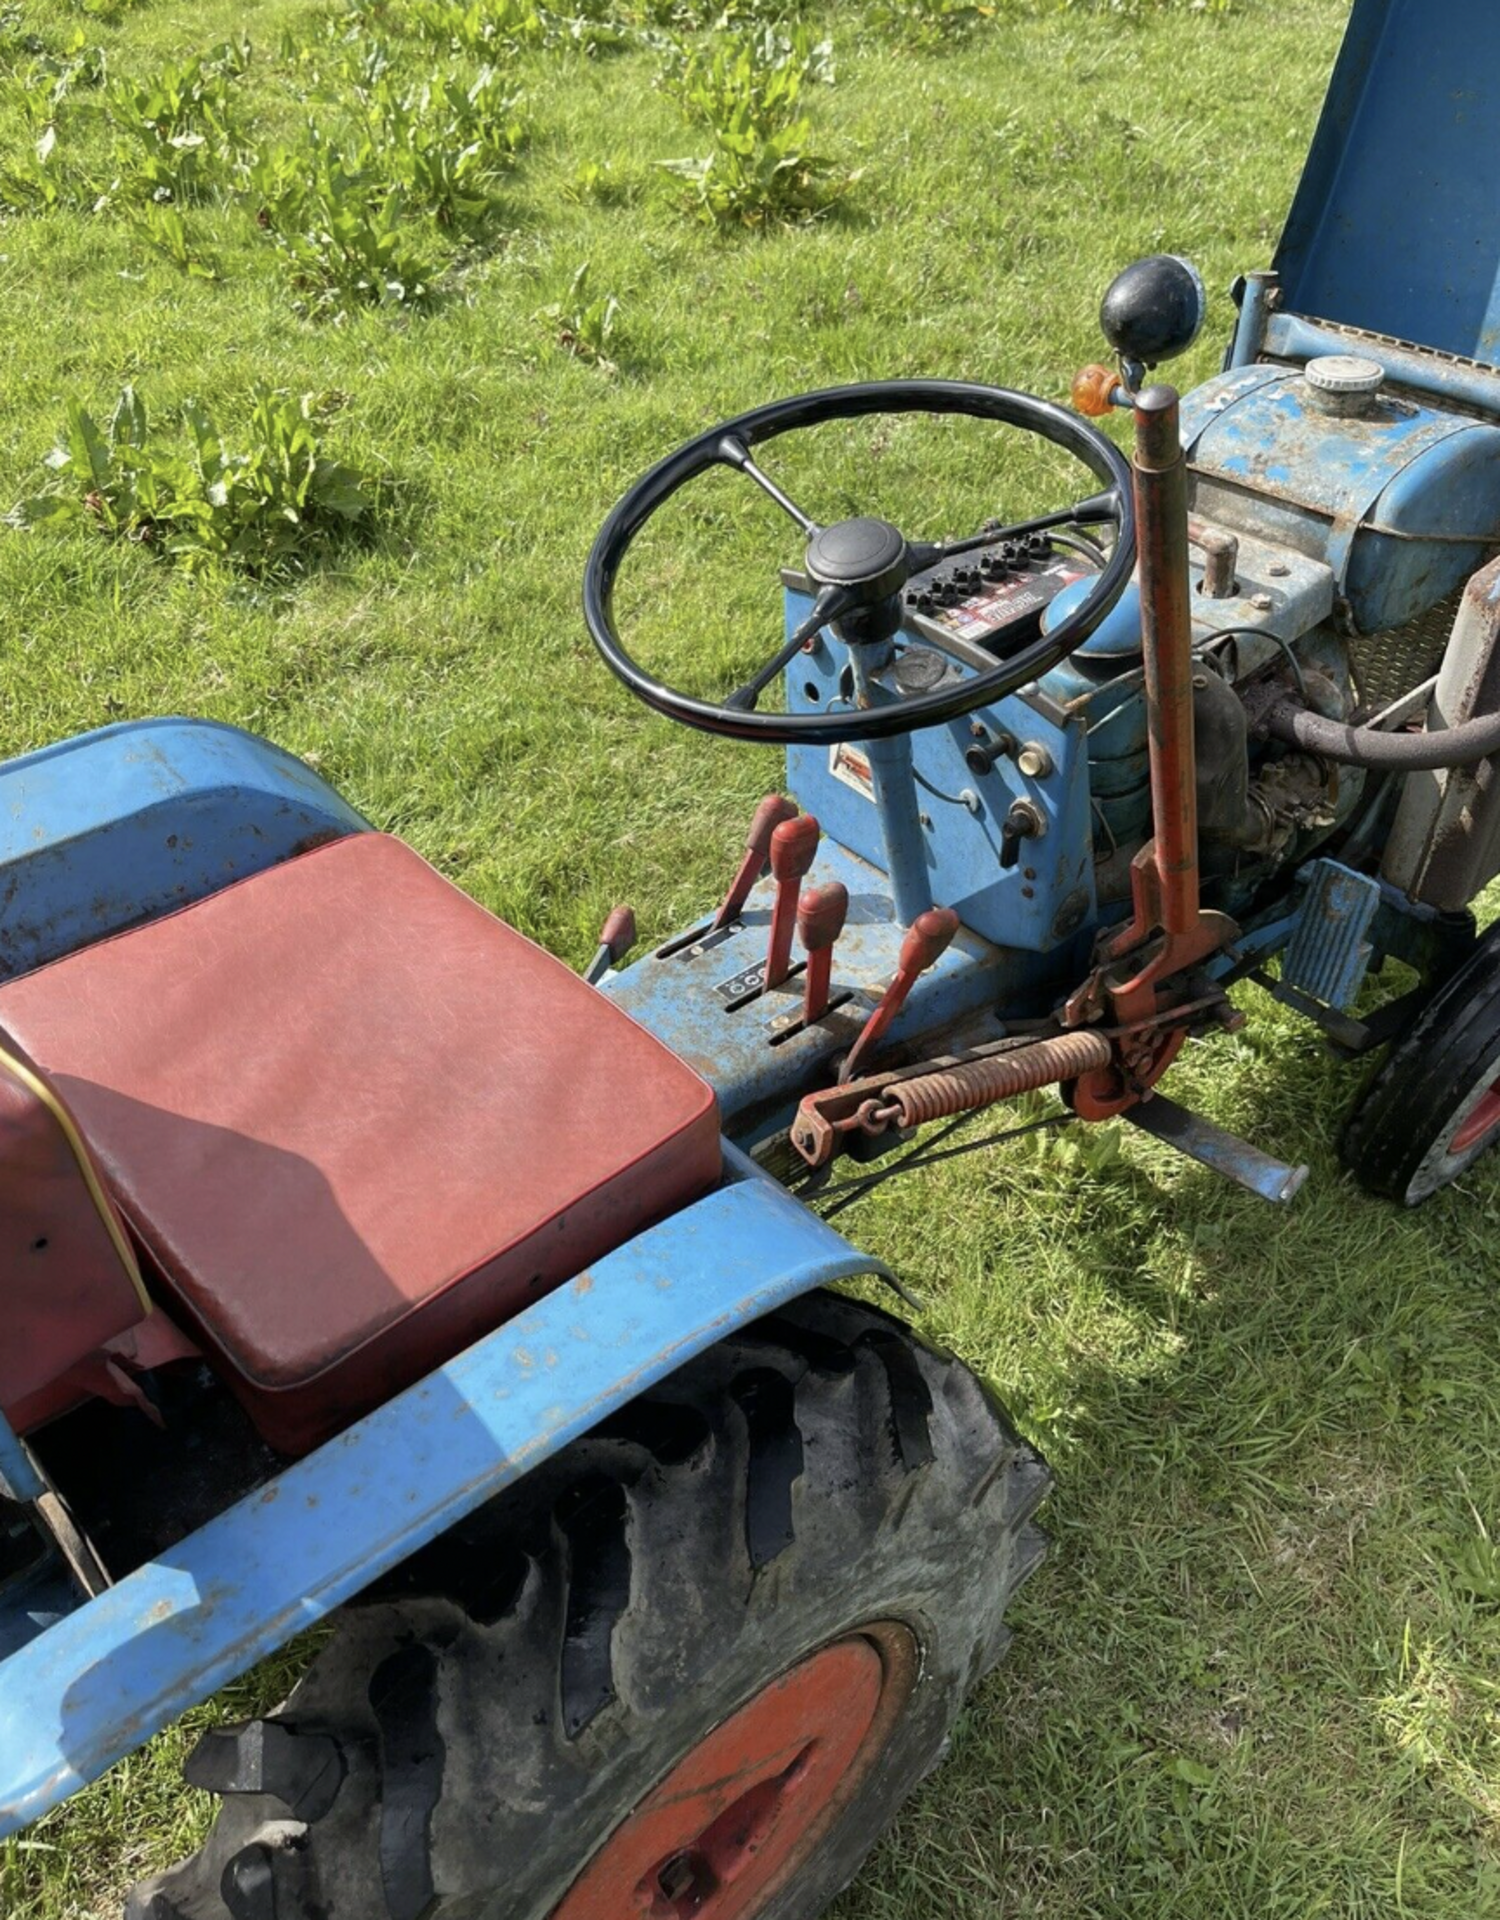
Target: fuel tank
{"type": "Point", "coordinates": [1324, 460]}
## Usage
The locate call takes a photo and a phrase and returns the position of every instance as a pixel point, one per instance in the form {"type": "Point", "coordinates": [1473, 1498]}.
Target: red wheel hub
{"type": "Point", "coordinates": [1484, 1118]}
{"type": "Point", "coordinates": [741, 1812]}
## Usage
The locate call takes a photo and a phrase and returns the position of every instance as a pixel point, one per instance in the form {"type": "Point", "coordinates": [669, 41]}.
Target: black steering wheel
{"type": "Point", "coordinates": [860, 566]}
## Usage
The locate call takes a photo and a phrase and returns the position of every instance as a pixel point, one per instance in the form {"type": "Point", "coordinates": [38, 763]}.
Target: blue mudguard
{"type": "Point", "coordinates": [104, 1679]}
{"type": "Point", "coordinates": [115, 827]}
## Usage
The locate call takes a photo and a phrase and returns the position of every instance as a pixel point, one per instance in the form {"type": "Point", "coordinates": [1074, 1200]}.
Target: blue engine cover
{"type": "Point", "coordinates": [1379, 497]}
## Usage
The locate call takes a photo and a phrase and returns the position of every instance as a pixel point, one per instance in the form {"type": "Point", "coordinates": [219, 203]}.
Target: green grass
{"type": "Point", "coordinates": [1258, 1679]}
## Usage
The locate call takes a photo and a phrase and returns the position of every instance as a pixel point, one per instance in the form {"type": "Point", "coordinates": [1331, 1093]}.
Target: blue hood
{"type": "Point", "coordinates": [1395, 227]}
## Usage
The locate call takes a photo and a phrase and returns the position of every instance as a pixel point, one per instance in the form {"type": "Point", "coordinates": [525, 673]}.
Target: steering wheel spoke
{"type": "Point", "coordinates": [1100, 509]}
{"type": "Point", "coordinates": [734, 453]}
{"type": "Point", "coordinates": [828, 606]}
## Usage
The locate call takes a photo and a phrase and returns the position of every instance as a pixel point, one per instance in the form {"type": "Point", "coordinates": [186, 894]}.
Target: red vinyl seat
{"type": "Point", "coordinates": [355, 1121]}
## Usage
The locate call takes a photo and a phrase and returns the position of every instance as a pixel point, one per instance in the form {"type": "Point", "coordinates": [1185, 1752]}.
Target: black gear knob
{"type": "Point", "coordinates": [1154, 310]}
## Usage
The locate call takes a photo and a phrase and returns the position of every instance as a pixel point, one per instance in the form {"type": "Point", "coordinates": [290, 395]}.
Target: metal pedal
{"type": "Point", "coordinates": [1212, 1147]}
{"type": "Point", "coordinates": [1328, 955]}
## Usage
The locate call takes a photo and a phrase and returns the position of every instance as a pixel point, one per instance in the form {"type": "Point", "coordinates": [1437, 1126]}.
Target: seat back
{"type": "Point", "coordinates": [69, 1279]}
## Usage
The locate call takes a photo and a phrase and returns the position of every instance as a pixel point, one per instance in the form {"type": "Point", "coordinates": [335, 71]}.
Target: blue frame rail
{"type": "Point", "coordinates": [96, 1685]}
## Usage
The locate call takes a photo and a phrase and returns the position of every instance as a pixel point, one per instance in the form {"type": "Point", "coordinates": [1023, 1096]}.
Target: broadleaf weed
{"type": "Point", "coordinates": [162, 227]}
{"type": "Point", "coordinates": [585, 324]}
{"type": "Point", "coordinates": [268, 506]}
{"type": "Point", "coordinates": [747, 88]}
{"type": "Point", "coordinates": [178, 128]}
{"type": "Point", "coordinates": [342, 230]}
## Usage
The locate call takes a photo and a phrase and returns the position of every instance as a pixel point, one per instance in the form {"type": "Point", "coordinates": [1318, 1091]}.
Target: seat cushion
{"type": "Point", "coordinates": [356, 1121]}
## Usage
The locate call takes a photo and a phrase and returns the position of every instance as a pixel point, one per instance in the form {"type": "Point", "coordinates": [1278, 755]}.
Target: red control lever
{"type": "Point", "coordinates": [927, 939]}
{"type": "Point", "coordinates": [821, 913]}
{"type": "Point", "coordinates": [794, 847]}
{"type": "Point", "coordinates": [768, 817]}
{"type": "Point", "coordinates": [616, 938]}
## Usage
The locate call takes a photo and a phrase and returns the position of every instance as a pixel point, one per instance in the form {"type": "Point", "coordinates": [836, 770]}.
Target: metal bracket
{"type": "Point", "coordinates": [1212, 1147]}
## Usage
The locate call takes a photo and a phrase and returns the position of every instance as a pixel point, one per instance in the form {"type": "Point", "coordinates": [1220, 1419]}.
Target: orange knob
{"type": "Point", "coordinates": [1094, 390]}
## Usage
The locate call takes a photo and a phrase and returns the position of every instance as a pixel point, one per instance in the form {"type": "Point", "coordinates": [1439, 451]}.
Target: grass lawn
{"type": "Point", "coordinates": [1260, 1676]}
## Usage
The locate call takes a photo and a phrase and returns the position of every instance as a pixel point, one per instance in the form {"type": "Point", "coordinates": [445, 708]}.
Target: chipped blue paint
{"type": "Point", "coordinates": [1328, 954]}
{"type": "Point", "coordinates": [1379, 497]}
{"type": "Point", "coordinates": [115, 827]}
{"type": "Point", "coordinates": [959, 840]}
{"type": "Point", "coordinates": [758, 1057]}
{"type": "Point", "coordinates": [95, 1685]}
{"type": "Point", "coordinates": [1458, 383]}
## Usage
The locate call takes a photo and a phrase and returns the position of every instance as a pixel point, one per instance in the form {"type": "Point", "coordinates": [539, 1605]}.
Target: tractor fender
{"type": "Point", "coordinates": [115, 827]}
{"type": "Point", "coordinates": [101, 1681]}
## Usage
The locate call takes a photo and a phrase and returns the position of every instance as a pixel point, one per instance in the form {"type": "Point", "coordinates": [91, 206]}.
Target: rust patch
{"type": "Point", "coordinates": [322, 838]}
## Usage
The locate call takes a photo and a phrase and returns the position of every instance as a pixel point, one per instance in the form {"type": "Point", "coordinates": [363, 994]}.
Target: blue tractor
{"type": "Point", "coordinates": [359, 1260]}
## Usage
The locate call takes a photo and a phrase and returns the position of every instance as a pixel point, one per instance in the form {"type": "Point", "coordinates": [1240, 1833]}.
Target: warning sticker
{"type": "Point", "coordinates": [1006, 601]}
{"type": "Point", "coordinates": [850, 765]}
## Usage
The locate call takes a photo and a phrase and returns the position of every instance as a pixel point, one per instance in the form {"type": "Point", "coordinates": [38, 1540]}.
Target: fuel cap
{"type": "Point", "coordinates": [1345, 374]}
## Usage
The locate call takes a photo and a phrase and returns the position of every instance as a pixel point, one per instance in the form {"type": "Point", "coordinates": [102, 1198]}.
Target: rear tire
{"type": "Point", "coordinates": [796, 1553]}
{"type": "Point", "coordinates": [1434, 1106]}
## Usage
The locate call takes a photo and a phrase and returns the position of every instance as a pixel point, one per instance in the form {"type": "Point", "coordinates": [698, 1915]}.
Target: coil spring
{"type": "Point", "coordinates": [977, 1083]}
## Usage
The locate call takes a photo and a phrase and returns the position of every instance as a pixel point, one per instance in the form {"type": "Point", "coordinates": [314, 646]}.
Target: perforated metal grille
{"type": "Point", "coordinates": [1391, 663]}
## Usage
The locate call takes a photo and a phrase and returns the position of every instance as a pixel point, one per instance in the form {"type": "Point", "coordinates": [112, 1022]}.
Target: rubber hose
{"type": "Point", "coordinates": [1458, 746]}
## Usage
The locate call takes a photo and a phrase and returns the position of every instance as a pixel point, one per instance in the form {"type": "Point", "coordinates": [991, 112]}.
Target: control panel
{"type": "Point", "coordinates": [995, 597]}
{"type": "Point", "coordinates": [1001, 795]}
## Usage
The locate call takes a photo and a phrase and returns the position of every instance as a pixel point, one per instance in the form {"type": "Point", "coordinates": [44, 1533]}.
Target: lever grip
{"type": "Point", "coordinates": [618, 932]}
{"type": "Point", "coordinates": [769, 815]}
{"type": "Point", "coordinates": [927, 938]}
{"type": "Point", "coordinates": [794, 847]}
{"type": "Point", "coordinates": [821, 913]}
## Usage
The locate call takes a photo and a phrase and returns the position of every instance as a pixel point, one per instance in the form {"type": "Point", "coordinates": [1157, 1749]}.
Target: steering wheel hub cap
{"type": "Point", "coordinates": [865, 553]}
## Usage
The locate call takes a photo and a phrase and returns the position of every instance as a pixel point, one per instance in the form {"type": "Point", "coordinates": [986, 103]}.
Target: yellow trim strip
{"type": "Point", "coordinates": [37, 1086]}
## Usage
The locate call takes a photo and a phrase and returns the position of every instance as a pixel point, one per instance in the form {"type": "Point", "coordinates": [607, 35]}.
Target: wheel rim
{"type": "Point", "coordinates": [1481, 1119]}
{"type": "Point", "coordinates": [744, 1809]}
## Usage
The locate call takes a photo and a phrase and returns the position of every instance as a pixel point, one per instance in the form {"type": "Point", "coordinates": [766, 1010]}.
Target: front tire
{"type": "Point", "coordinates": [1434, 1106]}
{"type": "Point", "coordinates": [691, 1666]}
